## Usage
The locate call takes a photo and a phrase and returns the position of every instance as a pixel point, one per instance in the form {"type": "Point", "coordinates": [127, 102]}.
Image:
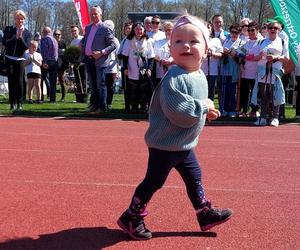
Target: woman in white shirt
{"type": "Point", "coordinates": [162, 53]}
{"type": "Point", "coordinates": [211, 62]}
{"type": "Point", "coordinates": [138, 62]}
{"type": "Point", "coordinates": [248, 70]}
{"type": "Point", "coordinates": [272, 53]}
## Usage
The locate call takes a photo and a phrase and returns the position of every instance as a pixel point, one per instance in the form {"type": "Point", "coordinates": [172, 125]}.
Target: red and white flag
{"type": "Point", "coordinates": [81, 7]}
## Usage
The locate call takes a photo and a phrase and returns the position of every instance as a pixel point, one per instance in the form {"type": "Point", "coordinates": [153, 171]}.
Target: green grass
{"type": "Point", "coordinates": [71, 109]}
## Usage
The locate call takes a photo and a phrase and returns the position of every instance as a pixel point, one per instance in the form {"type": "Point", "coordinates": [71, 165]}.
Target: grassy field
{"type": "Point", "coordinates": [71, 109]}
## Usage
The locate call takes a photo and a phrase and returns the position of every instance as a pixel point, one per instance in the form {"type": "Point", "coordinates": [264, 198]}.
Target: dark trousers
{"type": "Point", "coordinates": [160, 163]}
{"type": "Point", "coordinates": [245, 94]}
{"type": "Point", "coordinates": [80, 79]}
{"type": "Point", "coordinates": [15, 75]}
{"type": "Point", "coordinates": [298, 95]}
{"type": "Point", "coordinates": [110, 80]}
{"type": "Point", "coordinates": [126, 90]}
{"type": "Point", "coordinates": [211, 80]}
{"type": "Point", "coordinates": [51, 73]}
{"type": "Point", "coordinates": [61, 80]}
{"type": "Point", "coordinates": [285, 81]}
{"type": "Point", "coordinates": [267, 105]}
{"type": "Point", "coordinates": [96, 75]}
{"type": "Point", "coordinates": [138, 93]}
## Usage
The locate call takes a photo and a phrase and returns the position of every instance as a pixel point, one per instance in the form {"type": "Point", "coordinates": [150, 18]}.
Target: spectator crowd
{"type": "Point", "coordinates": [248, 66]}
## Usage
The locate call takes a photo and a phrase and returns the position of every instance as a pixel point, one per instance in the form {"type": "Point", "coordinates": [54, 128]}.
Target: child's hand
{"type": "Point", "coordinates": [210, 104]}
{"type": "Point", "coordinates": [213, 114]}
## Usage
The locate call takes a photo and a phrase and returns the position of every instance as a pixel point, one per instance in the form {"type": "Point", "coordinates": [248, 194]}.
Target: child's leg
{"type": "Point", "coordinates": [207, 216]}
{"type": "Point", "coordinates": [190, 172]}
{"type": "Point", "coordinates": [30, 87]}
{"type": "Point", "coordinates": [37, 85]}
{"type": "Point", "coordinates": [160, 163]}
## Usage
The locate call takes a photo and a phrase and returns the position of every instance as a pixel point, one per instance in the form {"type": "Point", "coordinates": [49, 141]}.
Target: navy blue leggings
{"type": "Point", "coordinates": [160, 164]}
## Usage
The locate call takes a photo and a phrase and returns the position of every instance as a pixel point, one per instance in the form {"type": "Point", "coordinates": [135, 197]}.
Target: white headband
{"type": "Point", "coordinates": [196, 22]}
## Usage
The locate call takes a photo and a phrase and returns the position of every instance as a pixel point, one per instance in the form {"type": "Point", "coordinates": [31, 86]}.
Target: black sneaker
{"type": "Point", "coordinates": [134, 226]}
{"type": "Point", "coordinates": [209, 217]}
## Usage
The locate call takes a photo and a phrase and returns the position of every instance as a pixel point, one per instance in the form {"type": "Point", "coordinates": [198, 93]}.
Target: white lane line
{"type": "Point", "coordinates": [105, 184]}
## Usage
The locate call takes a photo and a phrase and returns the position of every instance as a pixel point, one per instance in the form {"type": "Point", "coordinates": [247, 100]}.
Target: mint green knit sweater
{"type": "Point", "coordinates": [177, 111]}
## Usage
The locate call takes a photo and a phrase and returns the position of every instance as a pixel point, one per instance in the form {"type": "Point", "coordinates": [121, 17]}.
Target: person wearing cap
{"type": "Point", "coordinates": [178, 110]}
{"type": "Point", "coordinates": [286, 77]}
{"type": "Point", "coordinates": [271, 54]}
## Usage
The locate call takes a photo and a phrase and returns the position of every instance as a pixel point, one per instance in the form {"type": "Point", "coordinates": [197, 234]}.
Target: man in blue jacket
{"type": "Point", "coordinates": [97, 44]}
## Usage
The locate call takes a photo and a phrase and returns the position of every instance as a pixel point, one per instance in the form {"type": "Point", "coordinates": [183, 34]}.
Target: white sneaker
{"type": "Point", "coordinates": [260, 122]}
{"type": "Point", "coordinates": [274, 122]}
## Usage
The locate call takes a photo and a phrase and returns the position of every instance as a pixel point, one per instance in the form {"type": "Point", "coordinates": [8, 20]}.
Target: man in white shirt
{"type": "Point", "coordinates": [75, 34]}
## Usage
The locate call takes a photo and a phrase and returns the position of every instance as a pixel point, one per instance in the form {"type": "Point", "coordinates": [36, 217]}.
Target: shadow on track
{"type": "Point", "coordinates": [84, 239]}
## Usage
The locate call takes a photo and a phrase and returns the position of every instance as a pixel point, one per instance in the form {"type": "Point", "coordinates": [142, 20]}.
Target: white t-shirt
{"type": "Point", "coordinates": [76, 41]}
{"type": "Point", "coordinates": [249, 70]}
{"type": "Point", "coordinates": [276, 48]}
{"type": "Point", "coordinates": [134, 49]}
{"type": "Point", "coordinates": [159, 35]}
{"type": "Point", "coordinates": [161, 50]}
{"type": "Point", "coordinates": [32, 67]}
{"type": "Point", "coordinates": [215, 45]}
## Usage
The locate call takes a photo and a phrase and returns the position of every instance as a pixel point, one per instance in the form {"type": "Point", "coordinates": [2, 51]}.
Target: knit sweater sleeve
{"type": "Point", "coordinates": [180, 103]}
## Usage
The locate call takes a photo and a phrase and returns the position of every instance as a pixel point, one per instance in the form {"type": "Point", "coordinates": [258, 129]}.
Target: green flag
{"type": "Point", "coordinates": [289, 10]}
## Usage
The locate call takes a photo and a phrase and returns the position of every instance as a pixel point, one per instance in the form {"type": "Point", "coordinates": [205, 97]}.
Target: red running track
{"type": "Point", "coordinates": [64, 184]}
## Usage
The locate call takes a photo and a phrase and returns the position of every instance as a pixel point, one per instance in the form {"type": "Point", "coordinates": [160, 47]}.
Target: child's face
{"type": "Point", "coordinates": [188, 47]}
{"type": "Point", "coordinates": [32, 48]}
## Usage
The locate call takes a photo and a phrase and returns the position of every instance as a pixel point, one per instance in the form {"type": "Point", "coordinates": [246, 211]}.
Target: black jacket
{"type": "Point", "coordinates": [13, 46]}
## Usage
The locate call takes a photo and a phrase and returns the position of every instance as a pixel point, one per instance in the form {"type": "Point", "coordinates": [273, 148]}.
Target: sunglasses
{"type": "Point", "coordinates": [56, 34]}
{"type": "Point", "coordinates": [153, 22]}
{"type": "Point", "coordinates": [243, 26]}
{"type": "Point", "coordinates": [273, 28]}
{"type": "Point", "coordinates": [251, 30]}
{"type": "Point", "coordinates": [234, 32]}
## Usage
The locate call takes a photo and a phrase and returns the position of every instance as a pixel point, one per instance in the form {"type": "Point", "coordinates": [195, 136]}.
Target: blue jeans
{"type": "Point", "coordinates": [160, 163]}
{"type": "Point", "coordinates": [96, 76]}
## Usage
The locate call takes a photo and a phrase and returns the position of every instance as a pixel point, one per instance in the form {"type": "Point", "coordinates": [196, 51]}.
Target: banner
{"type": "Point", "coordinates": [290, 11]}
{"type": "Point", "coordinates": [81, 7]}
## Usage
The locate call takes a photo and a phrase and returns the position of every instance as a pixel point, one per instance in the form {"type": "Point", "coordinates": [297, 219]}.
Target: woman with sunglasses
{"type": "Point", "coordinates": [229, 72]}
{"type": "Point", "coordinates": [244, 29]}
{"type": "Point", "coordinates": [272, 52]}
{"type": "Point", "coordinates": [156, 34]}
{"type": "Point", "coordinates": [248, 70]}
